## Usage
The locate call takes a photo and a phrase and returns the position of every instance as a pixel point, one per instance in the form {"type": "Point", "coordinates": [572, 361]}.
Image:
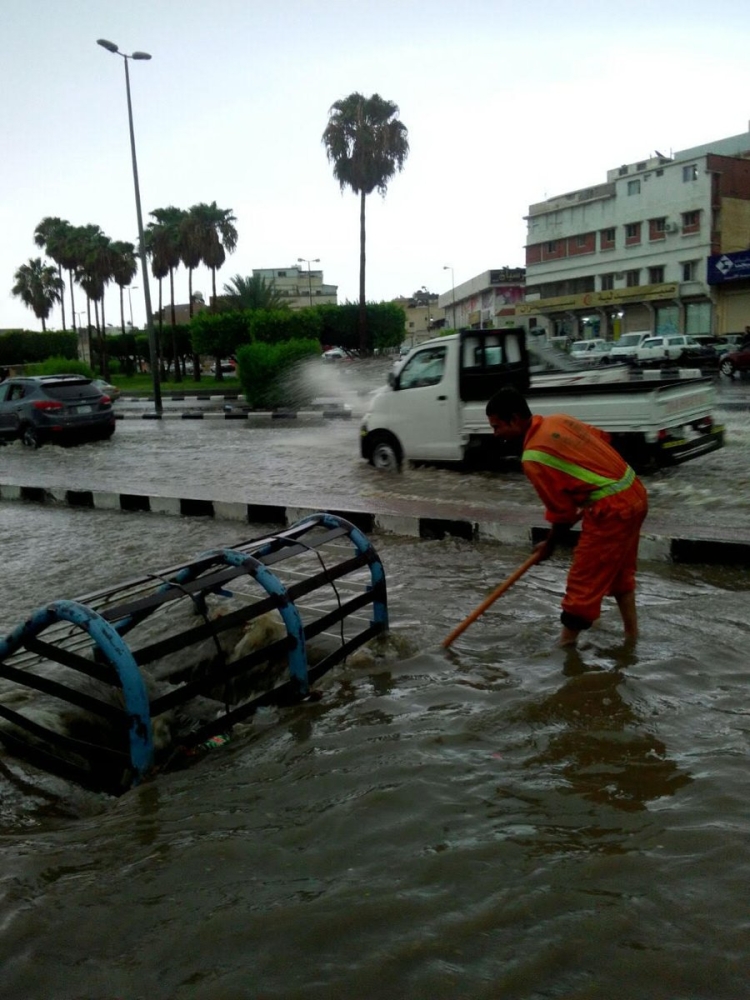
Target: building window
{"type": "Point", "coordinates": [690, 173]}
{"type": "Point", "coordinates": [689, 270]}
{"type": "Point", "coordinates": [632, 278]}
{"type": "Point", "coordinates": [552, 246]}
{"type": "Point", "coordinates": [656, 275]}
{"type": "Point", "coordinates": [281, 274]}
{"type": "Point", "coordinates": [607, 282]}
{"type": "Point", "coordinates": [691, 221]}
{"type": "Point", "coordinates": [658, 225]}
{"type": "Point", "coordinates": [581, 241]}
{"type": "Point", "coordinates": [607, 239]}
{"type": "Point", "coordinates": [634, 187]}
{"type": "Point", "coordinates": [632, 233]}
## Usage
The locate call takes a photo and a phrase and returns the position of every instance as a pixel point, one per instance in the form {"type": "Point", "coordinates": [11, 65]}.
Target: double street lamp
{"type": "Point", "coordinates": [304, 260]}
{"type": "Point", "coordinates": [447, 267]}
{"type": "Point", "coordinates": [153, 352]}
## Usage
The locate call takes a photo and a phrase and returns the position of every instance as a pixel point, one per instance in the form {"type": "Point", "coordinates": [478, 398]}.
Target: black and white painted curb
{"type": "Point", "coordinates": [230, 412]}
{"type": "Point", "coordinates": [660, 547]}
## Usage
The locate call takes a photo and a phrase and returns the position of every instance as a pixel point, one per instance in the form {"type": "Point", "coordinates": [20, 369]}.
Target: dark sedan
{"type": "Point", "coordinates": [735, 361]}
{"type": "Point", "coordinates": [60, 408]}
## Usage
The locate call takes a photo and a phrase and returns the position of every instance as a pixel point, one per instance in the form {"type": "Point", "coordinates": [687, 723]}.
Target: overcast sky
{"type": "Point", "coordinates": [507, 102]}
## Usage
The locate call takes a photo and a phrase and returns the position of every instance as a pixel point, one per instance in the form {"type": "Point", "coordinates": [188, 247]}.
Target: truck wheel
{"type": "Point", "coordinates": [386, 454]}
{"type": "Point", "coordinates": [727, 368]}
{"type": "Point", "coordinates": [30, 437]}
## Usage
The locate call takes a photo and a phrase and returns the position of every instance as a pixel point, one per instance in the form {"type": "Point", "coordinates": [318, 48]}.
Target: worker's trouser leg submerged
{"type": "Point", "coordinates": [606, 556]}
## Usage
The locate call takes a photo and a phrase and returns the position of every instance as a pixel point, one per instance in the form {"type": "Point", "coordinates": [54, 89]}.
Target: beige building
{"type": "Point", "coordinates": [423, 316]}
{"type": "Point", "coordinates": [300, 286]}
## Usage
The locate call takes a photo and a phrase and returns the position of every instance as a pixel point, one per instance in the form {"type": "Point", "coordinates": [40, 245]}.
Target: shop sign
{"type": "Point", "coordinates": [724, 267]}
{"type": "Point", "coordinates": [589, 300]}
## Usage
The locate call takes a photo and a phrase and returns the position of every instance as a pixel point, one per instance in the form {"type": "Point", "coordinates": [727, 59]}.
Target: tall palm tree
{"type": "Point", "coordinates": [51, 234]}
{"type": "Point", "coordinates": [38, 286]}
{"type": "Point", "coordinates": [253, 292]}
{"type": "Point", "coordinates": [124, 269]}
{"type": "Point", "coordinates": [160, 270]}
{"type": "Point", "coordinates": [95, 271]}
{"type": "Point", "coordinates": [367, 144]}
{"type": "Point", "coordinates": [165, 242]}
{"type": "Point", "coordinates": [213, 230]}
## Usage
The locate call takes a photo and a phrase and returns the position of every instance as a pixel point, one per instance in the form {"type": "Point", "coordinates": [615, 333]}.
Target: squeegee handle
{"type": "Point", "coordinates": [497, 592]}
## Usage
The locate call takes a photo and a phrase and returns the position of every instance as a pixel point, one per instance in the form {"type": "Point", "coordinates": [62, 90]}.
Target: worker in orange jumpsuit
{"type": "Point", "coordinates": [578, 474]}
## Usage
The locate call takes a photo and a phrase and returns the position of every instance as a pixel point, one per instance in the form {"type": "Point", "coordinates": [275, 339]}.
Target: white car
{"type": "Point", "coordinates": [627, 345]}
{"type": "Point", "coordinates": [590, 352]}
{"type": "Point", "coordinates": [335, 354]}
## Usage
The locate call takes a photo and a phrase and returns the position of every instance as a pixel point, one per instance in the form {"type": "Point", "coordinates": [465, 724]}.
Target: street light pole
{"type": "Point", "coordinates": [133, 288]}
{"type": "Point", "coordinates": [427, 310]}
{"type": "Point", "coordinates": [153, 352]}
{"type": "Point", "coordinates": [304, 260]}
{"type": "Point", "coordinates": [447, 267]}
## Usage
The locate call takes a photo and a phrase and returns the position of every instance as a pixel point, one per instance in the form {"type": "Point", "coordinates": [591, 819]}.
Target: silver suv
{"type": "Point", "coordinates": [60, 408]}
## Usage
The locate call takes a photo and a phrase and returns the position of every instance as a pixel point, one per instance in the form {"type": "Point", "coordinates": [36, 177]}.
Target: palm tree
{"type": "Point", "coordinates": [39, 287]}
{"type": "Point", "coordinates": [165, 242]}
{"type": "Point", "coordinates": [213, 230]}
{"type": "Point", "coordinates": [367, 144]}
{"type": "Point", "coordinates": [51, 234]}
{"type": "Point", "coordinates": [124, 269]}
{"type": "Point", "coordinates": [253, 292]}
{"type": "Point", "coordinates": [95, 271]}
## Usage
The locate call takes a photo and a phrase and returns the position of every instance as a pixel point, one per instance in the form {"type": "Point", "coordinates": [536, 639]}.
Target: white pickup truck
{"type": "Point", "coordinates": [672, 347]}
{"type": "Point", "coordinates": [433, 408]}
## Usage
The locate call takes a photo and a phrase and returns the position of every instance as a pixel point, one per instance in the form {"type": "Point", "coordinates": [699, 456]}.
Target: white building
{"type": "Point", "coordinates": [639, 252]}
{"type": "Point", "coordinates": [487, 300]}
{"type": "Point", "coordinates": [299, 286]}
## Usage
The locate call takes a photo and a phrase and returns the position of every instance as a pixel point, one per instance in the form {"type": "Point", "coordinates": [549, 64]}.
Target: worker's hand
{"type": "Point", "coordinates": [557, 533]}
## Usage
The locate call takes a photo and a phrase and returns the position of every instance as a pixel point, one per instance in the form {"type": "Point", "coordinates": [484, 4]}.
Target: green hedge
{"type": "Point", "coordinates": [267, 373]}
{"type": "Point", "coordinates": [59, 366]}
{"type": "Point", "coordinates": [18, 347]}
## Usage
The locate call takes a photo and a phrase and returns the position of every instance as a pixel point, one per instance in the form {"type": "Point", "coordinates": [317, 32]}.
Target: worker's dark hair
{"type": "Point", "coordinates": [506, 404]}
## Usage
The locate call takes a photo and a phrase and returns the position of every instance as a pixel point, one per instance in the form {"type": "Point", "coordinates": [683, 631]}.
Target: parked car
{"type": "Point", "coordinates": [624, 348]}
{"type": "Point", "coordinates": [676, 348]}
{"type": "Point", "coordinates": [590, 352]}
{"type": "Point", "coordinates": [336, 354]}
{"type": "Point", "coordinates": [60, 408]}
{"type": "Point", "coordinates": [107, 388]}
{"type": "Point", "coordinates": [735, 361]}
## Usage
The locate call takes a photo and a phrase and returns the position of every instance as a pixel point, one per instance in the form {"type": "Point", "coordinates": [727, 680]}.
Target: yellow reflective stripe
{"type": "Point", "coordinates": [616, 487]}
{"type": "Point", "coordinates": [607, 487]}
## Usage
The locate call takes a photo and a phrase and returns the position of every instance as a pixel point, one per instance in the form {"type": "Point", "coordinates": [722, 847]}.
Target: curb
{"type": "Point", "coordinates": [302, 416]}
{"type": "Point", "coordinates": [510, 531]}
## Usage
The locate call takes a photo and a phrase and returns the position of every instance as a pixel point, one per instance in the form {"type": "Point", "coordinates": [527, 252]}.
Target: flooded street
{"type": "Point", "coordinates": [500, 820]}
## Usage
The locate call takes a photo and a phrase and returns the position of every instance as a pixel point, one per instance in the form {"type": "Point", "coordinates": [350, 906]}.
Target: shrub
{"type": "Point", "coordinates": [59, 366]}
{"type": "Point", "coordinates": [266, 372]}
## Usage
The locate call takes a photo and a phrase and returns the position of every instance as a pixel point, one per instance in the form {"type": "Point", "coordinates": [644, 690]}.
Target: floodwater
{"type": "Point", "coordinates": [501, 820]}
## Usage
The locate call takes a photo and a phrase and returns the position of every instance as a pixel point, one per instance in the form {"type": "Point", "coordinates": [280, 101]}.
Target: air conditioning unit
{"type": "Point", "coordinates": [671, 227]}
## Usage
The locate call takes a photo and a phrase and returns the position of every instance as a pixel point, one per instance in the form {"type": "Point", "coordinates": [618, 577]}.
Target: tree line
{"type": "Point", "coordinates": [203, 234]}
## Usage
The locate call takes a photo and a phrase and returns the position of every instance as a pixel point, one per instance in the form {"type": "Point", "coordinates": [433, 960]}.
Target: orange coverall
{"type": "Point", "coordinates": [605, 558]}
